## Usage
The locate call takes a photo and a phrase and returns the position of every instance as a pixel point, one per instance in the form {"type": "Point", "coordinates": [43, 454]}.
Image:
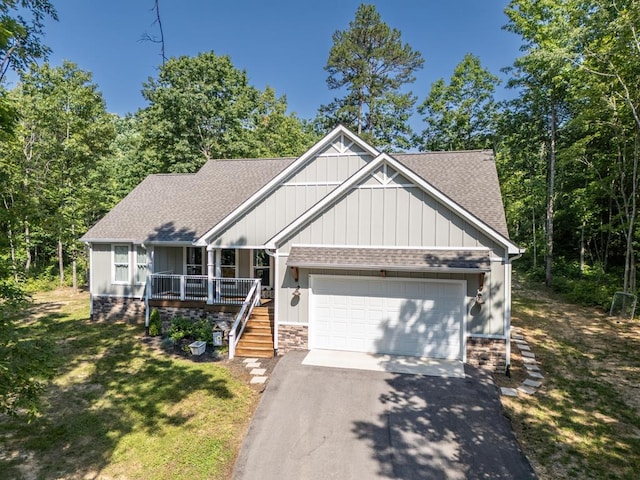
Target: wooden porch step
{"type": "Point", "coordinates": [257, 338]}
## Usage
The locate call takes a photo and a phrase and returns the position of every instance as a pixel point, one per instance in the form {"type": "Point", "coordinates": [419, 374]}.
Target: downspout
{"type": "Point", "coordinates": [507, 310]}
{"type": "Point", "coordinates": [273, 253]}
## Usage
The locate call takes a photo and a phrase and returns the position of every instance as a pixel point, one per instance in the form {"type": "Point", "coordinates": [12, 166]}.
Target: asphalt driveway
{"type": "Point", "coordinates": [322, 423]}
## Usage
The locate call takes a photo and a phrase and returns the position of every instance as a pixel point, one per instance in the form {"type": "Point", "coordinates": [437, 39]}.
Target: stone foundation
{"type": "Point", "coordinates": [221, 320]}
{"type": "Point", "coordinates": [292, 337]}
{"type": "Point", "coordinates": [130, 310]}
{"type": "Point", "coordinates": [487, 353]}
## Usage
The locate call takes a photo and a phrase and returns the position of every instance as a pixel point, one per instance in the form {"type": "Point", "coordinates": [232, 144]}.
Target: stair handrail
{"type": "Point", "coordinates": [252, 299]}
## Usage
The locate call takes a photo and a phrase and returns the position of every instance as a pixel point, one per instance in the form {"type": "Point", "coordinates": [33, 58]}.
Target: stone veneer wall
{"type": "Point", "coordinates": [488, 353]}
{"type": "Point", "coordinates": [222, 320]}
{"type": "Point", "coordinates": [292, 337]}
{"type": "Point", "coordinates": [118, 308]}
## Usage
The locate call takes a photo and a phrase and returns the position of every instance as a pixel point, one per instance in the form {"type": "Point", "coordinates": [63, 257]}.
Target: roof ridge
{"type": "Point", "coordinates": [434, 152]}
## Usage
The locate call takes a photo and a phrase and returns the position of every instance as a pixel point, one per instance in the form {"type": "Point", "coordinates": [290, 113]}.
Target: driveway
{"type": "Point", "coordinates": [321, 423]}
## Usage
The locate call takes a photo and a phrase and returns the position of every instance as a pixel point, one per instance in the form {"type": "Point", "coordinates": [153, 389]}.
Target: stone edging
{"type": "Point", "coordinates": [531, 384]}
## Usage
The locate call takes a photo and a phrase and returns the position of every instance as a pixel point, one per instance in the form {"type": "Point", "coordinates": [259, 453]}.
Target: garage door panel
{"type": "Point", "coordinates": [405, 317]}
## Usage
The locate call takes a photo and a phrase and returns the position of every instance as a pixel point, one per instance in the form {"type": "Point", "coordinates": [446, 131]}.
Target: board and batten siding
{"type": "Point", "coordinates": [102, 273]}
{"type": "Point", "coordinates": [316, 179]}
{"type": "Point", "coordinates": [168, 260]}
{"type": "Point", "coordinates": [396, 214]}
{"type": "Point", "coordinates": [486, 319]}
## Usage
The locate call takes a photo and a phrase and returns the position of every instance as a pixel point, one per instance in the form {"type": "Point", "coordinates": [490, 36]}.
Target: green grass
{"type": "Point", "coordinates": [118, 409]}
{"type": "Point", "coordinates": [585, 420]}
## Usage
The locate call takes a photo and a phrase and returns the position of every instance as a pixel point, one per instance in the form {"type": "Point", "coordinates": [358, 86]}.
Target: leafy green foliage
{"type": "Point", "coordinates": [461, 115]}
{"type": "Point", "coordinates": [155, 323]}
{"type": "Point", "coordinates": [182, 328]}
{"type": "Point", "coordinates": [203, 108]}
{"type": "Point", "coordinates": [24, 360]}
{"type": "Point", "coordinates": [371, 63]}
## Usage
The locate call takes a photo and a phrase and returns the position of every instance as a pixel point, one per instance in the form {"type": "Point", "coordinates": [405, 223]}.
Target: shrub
{"type": "Point", "coordinates": [155, 324]}
{"type": "Point", "coordinates": [184, 328]}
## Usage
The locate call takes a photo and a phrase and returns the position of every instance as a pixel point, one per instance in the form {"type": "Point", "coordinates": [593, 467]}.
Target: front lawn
{"type": "Point", "coordinates": [584, 422]}
{"type": "Point", "coordinates": [117, 408]}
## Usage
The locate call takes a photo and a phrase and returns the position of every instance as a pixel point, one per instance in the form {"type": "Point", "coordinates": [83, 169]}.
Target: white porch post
{"type": "Point", "coordinates": [218, 271]}
{"type": "Point", "coordinates": [210, 273]}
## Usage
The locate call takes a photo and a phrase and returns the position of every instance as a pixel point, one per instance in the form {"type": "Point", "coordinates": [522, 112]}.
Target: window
{"type": "Point", "coordinates": [262, 267]}
{"type": "Point", "coordinates": [121, 264]}
{"type": "Point", "coordinates": [194, 261]}
{"type": "Point", "coordinates": [228, 263]}
{"type": "Point", "coordinates": [141, 264]}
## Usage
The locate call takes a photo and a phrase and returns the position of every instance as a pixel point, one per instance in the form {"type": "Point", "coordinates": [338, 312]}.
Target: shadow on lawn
{"type": "Point", "coordinates": [107, 384]}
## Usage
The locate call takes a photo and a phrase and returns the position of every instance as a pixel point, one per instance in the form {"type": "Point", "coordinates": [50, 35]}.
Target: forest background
{"type": "Point", "coordinates": [566, 142]}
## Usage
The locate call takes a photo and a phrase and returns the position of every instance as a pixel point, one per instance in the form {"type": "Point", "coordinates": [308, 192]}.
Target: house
{"type": "Point", "coordinates": [349, 248]}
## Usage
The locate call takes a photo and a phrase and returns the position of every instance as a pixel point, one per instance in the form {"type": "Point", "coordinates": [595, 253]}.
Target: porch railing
{"type": "Point", "coordinates": [252, 299]}
{"type": "Point", "coordinates": [224, 291]}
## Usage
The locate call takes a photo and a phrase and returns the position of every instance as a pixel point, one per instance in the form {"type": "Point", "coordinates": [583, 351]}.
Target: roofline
{"type": "Point", "coordinates": [185, 243]}
{"type": "Point", "coordinates": [247, 204]}
{"type": "Point", "coordinates": [360, 175]}
{"type": "Point", "coordinates": [337, 192]}
{"type": "Point", "coordinates": [393, 268]}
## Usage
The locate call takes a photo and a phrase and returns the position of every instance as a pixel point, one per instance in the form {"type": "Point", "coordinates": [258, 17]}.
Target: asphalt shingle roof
{"type": "Point", "coordinates": [415, 259]}
{"type": "Point", "coordinates": [182, 207]}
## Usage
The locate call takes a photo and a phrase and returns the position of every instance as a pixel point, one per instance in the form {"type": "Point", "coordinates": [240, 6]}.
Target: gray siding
{"type": "Point", "coordinates": [305, 188]}
{"type": "Point", "coordinates": [394, 216]}
{"type": "Point", "coordinates": [401, 215]}
{"type": "Point", "coordinates": [486, 319]}
{"type": "Point", "coordinates": [101, 274]}
{"type": "Point", "coordinates": [168, 260]}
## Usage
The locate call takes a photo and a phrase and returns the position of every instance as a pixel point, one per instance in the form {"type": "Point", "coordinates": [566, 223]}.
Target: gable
{"type": "Point", "coordinates": [386, 208]}
{"type": "Point", "coordinates": [304, 186]}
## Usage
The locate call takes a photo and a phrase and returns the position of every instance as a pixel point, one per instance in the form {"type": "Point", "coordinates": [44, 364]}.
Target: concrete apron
{"type": "Point", "coordinates": [432, 367]}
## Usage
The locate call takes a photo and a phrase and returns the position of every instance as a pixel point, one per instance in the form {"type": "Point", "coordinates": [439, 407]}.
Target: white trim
{"type": "Point", "coordinates": [91, 283]}
{"type": "Point", "coordinates": [252, 267]}
{"type": "Point", "coordinates": [276, 296]}
{"type": "Point", "coordinates": [388, 185]}
{"type": "Point", "coordinates": [185, 258]}
{"type": "Point", "coordinates": [113, 264]}
{"type": "Point", "coordinates": [462, 346]}
{"type": "Point", "coordinates": [392, 268]}
{"type": "Point", "coordinates": [297, 324]}
{"type": "Point", "coordinates": [392, 247]}
{"type": "Point", "coordinates": [317, 208]}
{"type": "Point", "coordinates": [311, 184]}
{"type": "Point", "coordinates": [296, 165]}
{"type": "Point", "coordinates": [136, 263]}
{"type": "Point", "coordinates": [236, 261]}
{"type": "Point", "coordinates": [361, 174]}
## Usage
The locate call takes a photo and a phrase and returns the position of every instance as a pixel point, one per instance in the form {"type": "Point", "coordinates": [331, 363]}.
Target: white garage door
{"type": "Point", "coordinates": [374, 315]}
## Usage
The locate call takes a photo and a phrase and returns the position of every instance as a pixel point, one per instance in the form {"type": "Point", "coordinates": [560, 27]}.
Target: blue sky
{"type": "Point", "coordinates": [281, 43]}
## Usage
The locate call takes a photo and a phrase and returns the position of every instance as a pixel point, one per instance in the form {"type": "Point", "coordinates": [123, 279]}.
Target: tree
{"type": "Point", "coordinates": [462, 114]}
{"type": "Point", "coordinates": [544, 71]}
{"type": "Point", "coordinates": [20, 39]}
{"type": "Point", "coordinates": [371, 63]}
{"type": "Point", "coordinates": [64, 134]}
{"type": "Point", "coordinates": [203, 108]}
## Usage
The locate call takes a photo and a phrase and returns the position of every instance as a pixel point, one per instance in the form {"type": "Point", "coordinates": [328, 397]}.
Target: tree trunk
{"type": "Point", "coordinates": [27, 247]}
{"type": "Point", "coordinates": [60, 262]}
{"type": "Point", "coordinates": [629, 277]}
{"type": "Point", "coordinates": [74, 266]}
{"type": "Point", "coordinates": [582, 248]}
{"type": "Point", "coordinates": [551, 197]}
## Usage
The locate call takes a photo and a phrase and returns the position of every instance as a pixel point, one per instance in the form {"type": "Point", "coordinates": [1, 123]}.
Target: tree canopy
{"type": "Point", "coordinates": [371, 65]}
{"type": "Point", "coordinates": [203, 108]}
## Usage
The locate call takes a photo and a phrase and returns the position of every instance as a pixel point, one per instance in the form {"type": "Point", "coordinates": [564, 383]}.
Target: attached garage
{"type": "Point", "coordinates": [414, 317]}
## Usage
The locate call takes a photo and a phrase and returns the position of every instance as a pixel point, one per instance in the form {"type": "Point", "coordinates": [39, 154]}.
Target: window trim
{"type": "Point", "coordinates": [137, 264]}
{"type": "Point", "coordinates": [235, 264]}
{"type": "Point", "coordinates": [252, 271]}
{"type": "Point", "coordinates": [113, 264]}
{"type": "Point", "coordinates": [203, 262]}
